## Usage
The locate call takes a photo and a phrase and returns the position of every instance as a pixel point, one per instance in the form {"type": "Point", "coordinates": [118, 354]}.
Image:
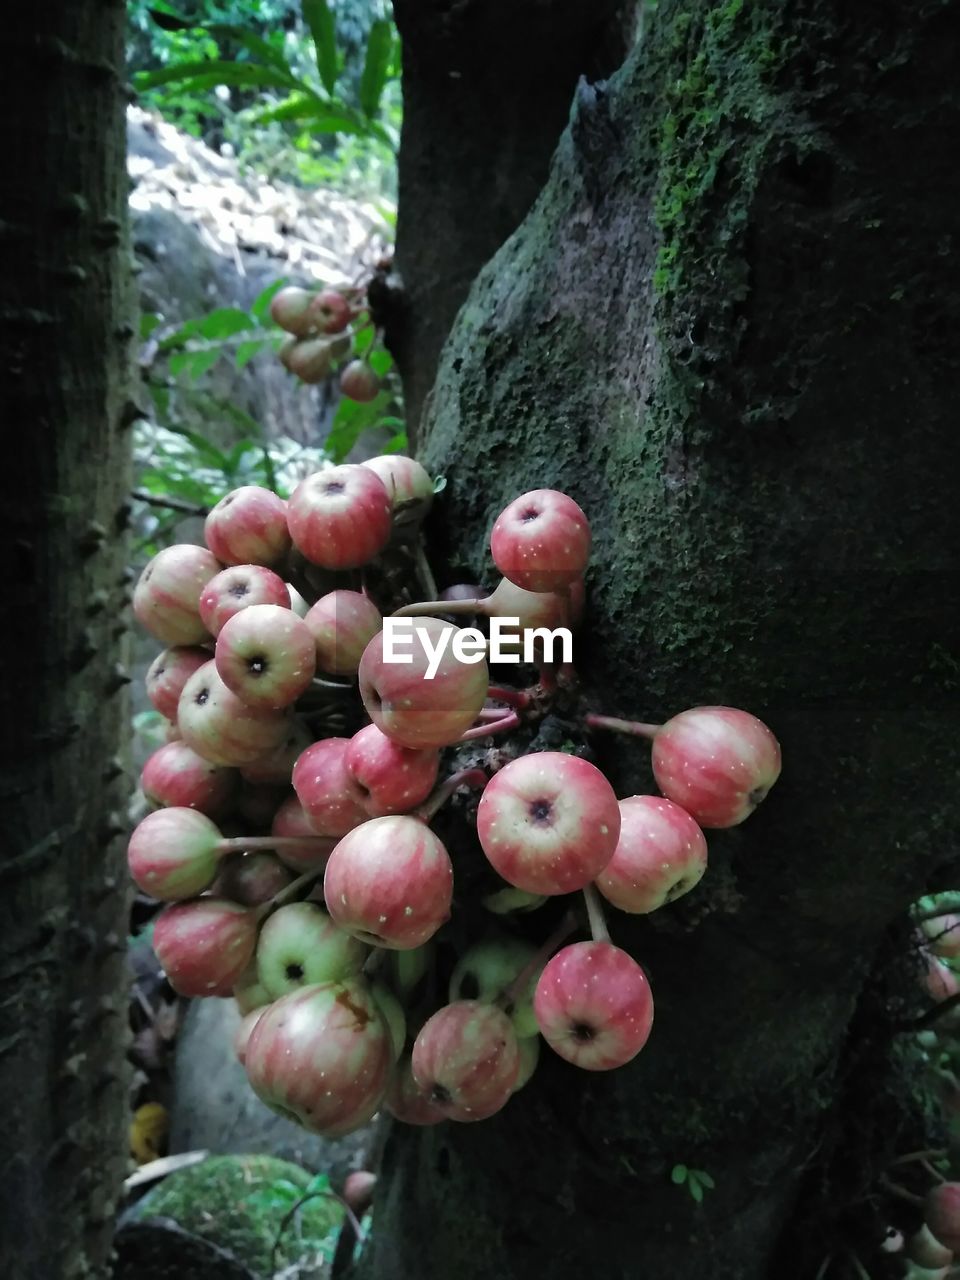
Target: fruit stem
{"type": "Point", "coordinates": [288, 894]}
{"type": "Point", "coordinates": [519, 698]}
{"type": "Point", "coordinates": [503, 725]}
{"type": "Point", "coordinates": [514, 989]}
{"type": "Point", "coordinates": [633, 727]}
{"type": "Point", "coordinates": [430, 608]}
{"type": "Point", "coordinates": [901, 1193]}
{"type": "Point", "coordinates": [330, 684]}
{"type": "Point", "coordinates": [464, 778]}
{"type": "Point", "coordinates": [241, 844]}
{"type": "Point", "coordinates": [598, 924]}
{"type": "Point", "coordinates": [423, 567]}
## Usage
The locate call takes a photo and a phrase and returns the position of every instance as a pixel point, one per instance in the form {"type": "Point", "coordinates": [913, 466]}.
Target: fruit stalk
{"type": "Point", "coordinates": [633, 727]}
{"type": "Point", "coordinates": [598, 923]}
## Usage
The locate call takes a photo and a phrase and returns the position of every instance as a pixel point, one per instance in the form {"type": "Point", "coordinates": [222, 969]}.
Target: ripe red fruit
{"type": "Point", "coordinates": [167, 598]}
{"type": "Point", "coordinates": [321, 1056]}
{"type": "Point", "coordinates": [291, 820]}
{"type": "Point", "coordinates": [358, 1189]}
{"type": "Point", "coordinates": [359, 382]}
{"type": "Point", "coordinates": [290, 308]}
{"type": "Point", "coordinates": [548, 822]}
{"type": "Point", "coordinates": [406, 1101]}
{"type": "Point", "coordinates": [248, 526]}
{"type": "Point", "coordinates": [340, 518]}
{"type": "Point", "coordinates": [299, 946]}
{"type": "Point", "coordinates": [408, 484]}
{"type": "Point", "coordinates": [331, 799]}
{"type": "Point", "coordinates": [172, 854]}
{"type": "Point", "coordinates": [329, 311]}
{"type": "Point", "coordinates": [390, 883]}
{"type": "Point", "coordinates": [718, 763]}
{"type": "Point", "coordinates": [342, 624]}
{"type": "Point", "coordinates": [276, 767]}
{"type": "Point", "coordinates": [169, 672]}
{"type": "Point", "coordinates": [541, 541]}
{"type": "Point", "coordinates": [221, 728]}
{"type": "Point", "coordinates": [176, 776]}
{"type": "Point", "coordinates": [238, 588]}
{"type": "Point", "coordinates": [593, 1005]}
{"type": "Point", "coordinates": [661, 855]}
{"type": "Point", "coordinates": [251, 878]}
{"type": "Point", "coordinates": [205, 945]}
{"type": "Point", "coordinates": [241, 1036]}
{"type": "Point", "coordinates": [409, 708]}
{"type": "Point", "coordinates": [466, 1060]}
{"type": "Point", "coordinates": [310, 359]}
{"type": "Point", "coordinates": [941, 1211]}
{"type": "Point", "coordinates": [394, 779]}
{"type": "Point", "coordinates": [266, 655]}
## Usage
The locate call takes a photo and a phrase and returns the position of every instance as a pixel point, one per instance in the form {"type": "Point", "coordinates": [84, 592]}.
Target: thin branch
{"type": "Point", "coordinates": [168, 503]}
{"type": "Point", "coordinates": [930, 1017]}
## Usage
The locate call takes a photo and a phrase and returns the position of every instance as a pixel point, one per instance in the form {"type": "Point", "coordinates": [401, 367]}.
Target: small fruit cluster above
{"type": "Point", "coordinates": [301, 872]}
{"type": "Point", "coordinates": [319, 339]}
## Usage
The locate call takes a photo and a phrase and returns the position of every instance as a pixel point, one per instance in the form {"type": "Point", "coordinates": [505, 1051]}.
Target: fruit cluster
{"type": "Point", "coordinates": [319, 339]}
{"type": "Point", "coordinates": [319, 914]}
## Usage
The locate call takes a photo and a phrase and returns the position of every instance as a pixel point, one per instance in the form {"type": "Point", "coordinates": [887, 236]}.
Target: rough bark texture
{"type": "Point", "coordinates": [725, 328]}
{"type": "Point", "coordinates": [64, 346]}
{"type": "Point", "coordinates": [487, 90]}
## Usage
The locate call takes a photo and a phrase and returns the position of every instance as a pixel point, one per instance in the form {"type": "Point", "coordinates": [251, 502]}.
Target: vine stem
{"type": "Point", "coordinates": [598, 923]}
{"type": "Point", "coordinates": [289, 893]}
{"type": "Point", "coordinates": [514, 988]}
{"type": "Point", "coordinates": [464, 778]}
{"type": "Point", "coordinates": [503, 725]}
{"type": "Point", "coordinates": [633, 727]}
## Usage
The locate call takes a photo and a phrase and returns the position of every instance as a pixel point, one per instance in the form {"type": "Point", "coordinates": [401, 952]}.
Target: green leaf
{"type": "Point", "coordinates": [696, 1190]}
{"type": "Point", "coordinates": [209, 72]}
{"type": "Point", "coordinates": [210, 453]}
{"type": "Point", "coordinates": [439, 484]}
{"type": "Point", "coordinates": [323, 29]}
{"type": "Point", "coordinates": [376, 66]}
{"type": "Point", "coordinates": [350, 421]}
{"type": "Point", "coordinates": [252, 43]}
{"type": "Point", "coordinates": [224, 322]}
{"type": "Point", "coordinates": [323, 117]}
{"type": "Point", "coordinates": [148, 322]}
{"type": "Point", "coordinates": [261, 304]}
{"type": "Point", "coordinates": [705, 1178]}
{"type": "Point", "coordinates": [201, 362]}
{"type": "Point", "coordinates": [247, 350]}
{"type": "Point", "coordinates": [678, 1175]}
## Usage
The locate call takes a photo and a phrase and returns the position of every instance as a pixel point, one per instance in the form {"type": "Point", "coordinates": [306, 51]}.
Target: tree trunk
{"type": "Point", "coordinates": [727, 328]}
{"type": "Point", "coordinates": [64, 349]}
{"type": "Point", "coordinates": [486, 92]}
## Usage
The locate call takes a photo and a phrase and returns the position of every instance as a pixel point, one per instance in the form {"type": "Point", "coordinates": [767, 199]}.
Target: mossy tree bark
{"type": "Point", "coordinates": [65, 337]}
{"type": "Point", "coordinates": [726, 329]}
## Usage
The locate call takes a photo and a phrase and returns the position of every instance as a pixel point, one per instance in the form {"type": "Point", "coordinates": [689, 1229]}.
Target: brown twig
{"type": "Point", "coordinates": [168, 503]}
